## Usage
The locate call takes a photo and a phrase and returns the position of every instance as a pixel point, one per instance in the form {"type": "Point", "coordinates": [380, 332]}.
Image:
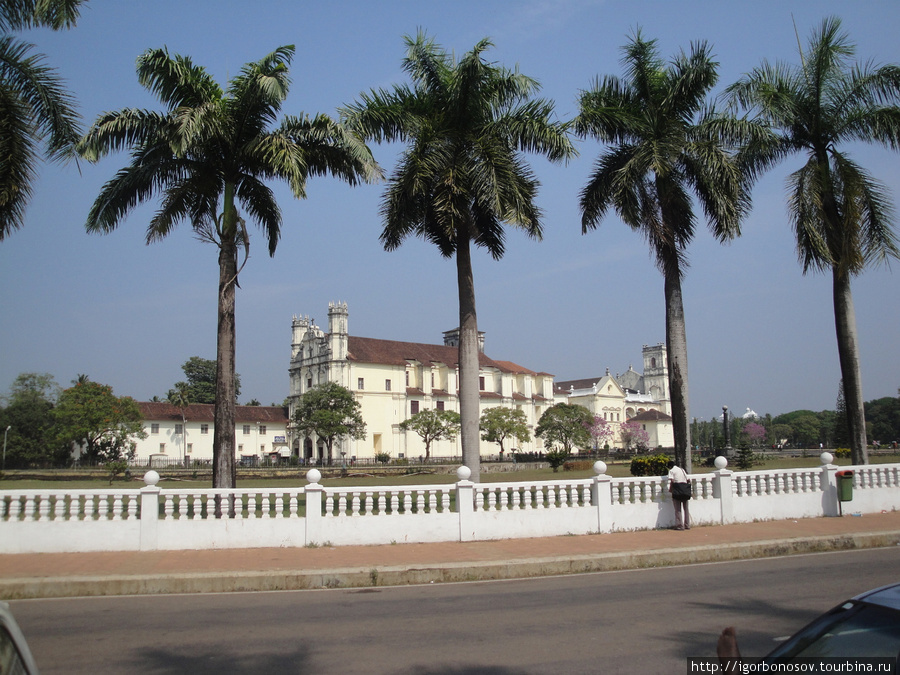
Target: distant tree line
{"type": "Point", "coordinates": [804, 429]}
{"type": "Point", "coordinates": [47, 426]}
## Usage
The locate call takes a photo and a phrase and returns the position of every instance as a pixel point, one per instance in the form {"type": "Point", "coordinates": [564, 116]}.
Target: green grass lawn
{"type": "Point", "coordinates": [614, 469]}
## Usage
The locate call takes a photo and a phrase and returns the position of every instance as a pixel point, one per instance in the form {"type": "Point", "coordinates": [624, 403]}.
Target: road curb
{"type": "Point", "coordinates": [401, 575]}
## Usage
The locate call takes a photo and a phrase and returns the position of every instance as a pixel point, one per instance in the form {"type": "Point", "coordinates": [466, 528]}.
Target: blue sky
{"type": "Point", "coordinates": [760, 334]}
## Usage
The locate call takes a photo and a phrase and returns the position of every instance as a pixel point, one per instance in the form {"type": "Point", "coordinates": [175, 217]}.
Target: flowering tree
{"type": "Point", "coordinates": [755, 432]}
{"type": "Point", "coordinates": [633, 434]}
{"type": "Point", "coordinates": [600, 430]}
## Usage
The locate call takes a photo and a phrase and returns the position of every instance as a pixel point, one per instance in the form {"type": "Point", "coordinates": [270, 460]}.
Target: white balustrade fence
{"type": "Point", "coordinates": [151, 518]}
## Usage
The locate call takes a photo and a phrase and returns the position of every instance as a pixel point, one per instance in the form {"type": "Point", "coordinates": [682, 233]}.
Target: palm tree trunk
{"type": "Point", "coordinates": [676, 355]}
{"type": "Point", "coordinates": [848, 353]}
{"type": "Point", "coordinates": [223, 439]}
{"type": "Point", "coordinates": [468, 358]}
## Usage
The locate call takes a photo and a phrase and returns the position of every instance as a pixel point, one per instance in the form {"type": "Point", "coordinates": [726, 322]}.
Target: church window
{"type": "Point", "coordinates": [262, 429]}
{"type": "Point", "coordinates": [407, 378]}
{"type": "Point", "coordinates": [154, 428]}
{"type": "Point", "coordinates": [246, 429]}
{"type": "Point", "coordinates": [162, 448]}
{"type": "Point", "coordinates": [413, 407]}
{"type": "Point", "coordinates": [204, 428]}
{"type": "Point", "coordinates": [387, 385]}
{"type": "Point", "coordinates": [653, 362]}
{"type": "Point", "coordinates": [481, 383]}
{"type": "Point", "coordinates": [178, 430]}
{"type": "Point", "coordinates": [432, 380]}
{"type": "Point", "coordinates": [189, 449]}
{"type": "Point", "coordinates": [440, 405]}
{"type": "Point", "coordinates": [360, 383]}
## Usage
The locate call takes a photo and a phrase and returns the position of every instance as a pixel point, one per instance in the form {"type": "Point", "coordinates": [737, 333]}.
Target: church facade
{"type": "Point", "coordinates": [393, 380]}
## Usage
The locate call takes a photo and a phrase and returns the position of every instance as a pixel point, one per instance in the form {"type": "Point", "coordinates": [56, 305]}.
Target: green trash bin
{"type": "Point", "coordinates": [845, 486]}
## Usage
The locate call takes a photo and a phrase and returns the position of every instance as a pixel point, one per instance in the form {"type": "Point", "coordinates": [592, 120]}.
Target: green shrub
{"type": "Point", "coordinates": [556, 458]}
{"type": "Point", "coordinates": [655, 465]}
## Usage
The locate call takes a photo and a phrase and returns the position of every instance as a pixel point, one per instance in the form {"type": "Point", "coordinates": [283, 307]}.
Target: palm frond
{"type": "Point", "coordinates": [54, 14]}
{"type": "Point", "coordinates": [51, 109]}
{"type": "Point", "coordinates": [17, 172]}
{"type": "Point", "coordinates": [176, 81]}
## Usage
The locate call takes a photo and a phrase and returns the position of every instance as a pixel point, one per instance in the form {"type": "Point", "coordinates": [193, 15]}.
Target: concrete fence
{"type": "Point", "coordinates": [152, 518]}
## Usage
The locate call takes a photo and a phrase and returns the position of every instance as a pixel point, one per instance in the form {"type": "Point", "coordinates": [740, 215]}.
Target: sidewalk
{"type": "Point", "coordinates": [129, 573]}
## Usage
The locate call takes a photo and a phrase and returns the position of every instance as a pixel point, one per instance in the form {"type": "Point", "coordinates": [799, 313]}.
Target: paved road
{"type": "Point", "coordinates": [643, 621]}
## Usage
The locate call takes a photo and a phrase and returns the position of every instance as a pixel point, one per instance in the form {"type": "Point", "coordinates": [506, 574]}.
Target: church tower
{"type": "Point", "coordinates": [338, 318]}
{"type": "Point", "coordinates": [656, 376]}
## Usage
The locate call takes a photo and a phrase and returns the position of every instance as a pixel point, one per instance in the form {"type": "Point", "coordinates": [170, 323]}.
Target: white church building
{"type": "Point", "coordinates": [393, 380]}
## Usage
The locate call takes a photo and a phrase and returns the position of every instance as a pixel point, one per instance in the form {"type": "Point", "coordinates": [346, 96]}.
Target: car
{"type": "Point", "coordinates": [867, 625]}
{"type": "Point", "coordinates": [15, 657]}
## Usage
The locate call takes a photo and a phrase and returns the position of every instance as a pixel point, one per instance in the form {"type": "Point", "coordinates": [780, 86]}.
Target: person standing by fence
{"type": "Point", "coordinates": [680, 489]}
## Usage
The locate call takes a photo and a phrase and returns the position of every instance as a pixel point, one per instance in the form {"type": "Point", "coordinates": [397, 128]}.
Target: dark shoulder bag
{"type": "Point", "coordinates": [681, 491]}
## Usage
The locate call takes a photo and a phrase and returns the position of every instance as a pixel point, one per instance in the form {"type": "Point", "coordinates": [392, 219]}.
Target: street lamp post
{"type": "Point", "coordinates": [726, 428]}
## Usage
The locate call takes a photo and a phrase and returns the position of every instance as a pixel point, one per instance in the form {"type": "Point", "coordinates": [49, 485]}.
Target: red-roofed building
{"type": "Point", "coordinates": [393, 380]}
{"type": "Point", "coordinates": [176, 434]}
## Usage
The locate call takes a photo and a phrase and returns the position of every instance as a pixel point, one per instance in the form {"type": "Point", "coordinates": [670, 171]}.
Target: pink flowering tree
{"type": "Point", "coordinates": [755, 432]}
{"type": "Point", "coordinates": [601, 432]}
{"type": "Point", "coordinates": [634, 435]}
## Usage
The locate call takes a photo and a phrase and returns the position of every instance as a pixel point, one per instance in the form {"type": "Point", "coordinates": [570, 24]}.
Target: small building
{"type": "Point", "coordinates": [658, 426]}
{"type": "Point", "coordinates": [176, 434]}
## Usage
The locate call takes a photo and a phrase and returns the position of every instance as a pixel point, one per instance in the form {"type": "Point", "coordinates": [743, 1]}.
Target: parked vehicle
{"type": "Point", "coordinates": [867, 625]}
{"type": "Point", "coordinates": [15, 657]}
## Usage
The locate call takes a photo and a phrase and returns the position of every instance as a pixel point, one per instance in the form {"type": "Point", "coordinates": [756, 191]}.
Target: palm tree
{"type": "Point", "coordinates": [209, 151]}
{"type": "Point", "coordinates": [841, 216]}
{"type": "Point", "coordinates": [34, 105]}
{"type": "Point", "coordinates": [665, 143]}
{"type": "Point", "coordinates": [461, 176]}
{"type": "Point", "coordinates": [181, 398]}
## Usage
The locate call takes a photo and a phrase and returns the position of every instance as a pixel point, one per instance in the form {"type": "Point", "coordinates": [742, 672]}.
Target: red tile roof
{"type": "Point", "coordinates": [203, 412]}
{"type": "Point", "coordinates": [651, 416]}
{"type": "Point", "coordinates": [395, 353]}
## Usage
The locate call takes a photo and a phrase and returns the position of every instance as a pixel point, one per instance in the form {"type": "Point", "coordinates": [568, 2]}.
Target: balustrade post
{"type": "Point", "coordinates": [314, 520]}
{"type": "Point", "coordinates": [723, 490]}
{"type": "Point", "coordinates": [150, 512]}
{"type": "Point", "coordinates": [465, 504]}
{"type": "Point", "coordinates": [828, 483]}
{"type": "Point", "coordinates": [601, 497]}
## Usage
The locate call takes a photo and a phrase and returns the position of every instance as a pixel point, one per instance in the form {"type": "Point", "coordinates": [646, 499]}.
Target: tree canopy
{"type": "Point", "coordinates": [199, 385]}
{"type": "Point", "coordinates": [433, 425]}
{"type": "Point", "coordinates": [90, 417]}
{"type": "Point", "coordinates": [501, 424]}
{"type": "Point", "coordinates": [567, 425]}
{"type": "Point", "coordinates": [330, 412]}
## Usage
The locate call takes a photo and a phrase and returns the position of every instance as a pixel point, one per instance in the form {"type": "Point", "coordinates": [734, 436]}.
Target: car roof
{"type": "Point", "coordinates": [886, 596]}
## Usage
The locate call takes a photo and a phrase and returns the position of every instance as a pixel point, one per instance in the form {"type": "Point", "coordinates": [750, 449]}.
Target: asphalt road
{"type": "Point", "coordinates": [643, 621]}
